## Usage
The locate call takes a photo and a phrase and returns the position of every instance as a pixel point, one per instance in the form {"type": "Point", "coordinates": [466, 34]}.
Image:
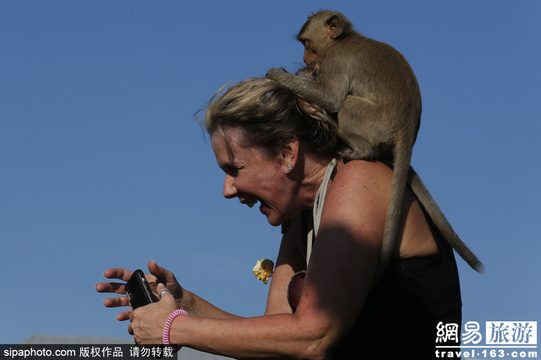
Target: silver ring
{"type": "Point", "coordinates": [163, 292]}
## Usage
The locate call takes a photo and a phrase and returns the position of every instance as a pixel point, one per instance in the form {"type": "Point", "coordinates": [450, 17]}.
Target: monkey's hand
{"type": "Point", "coordinates": [306, 73]}
{"type": "Point", "coordinates": [277, 74]}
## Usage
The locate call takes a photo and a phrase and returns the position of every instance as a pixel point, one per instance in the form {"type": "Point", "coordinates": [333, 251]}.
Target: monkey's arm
{"type": "Point", "coordinates": [328, 93]}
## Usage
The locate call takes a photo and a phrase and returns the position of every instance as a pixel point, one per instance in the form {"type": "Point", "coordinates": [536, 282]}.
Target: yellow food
{"type": "Point", "coordinates": [263, 269]}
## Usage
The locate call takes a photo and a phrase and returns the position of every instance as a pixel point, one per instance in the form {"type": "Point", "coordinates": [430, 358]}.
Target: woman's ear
{"type": "Point", "coordinates": [289, 153]}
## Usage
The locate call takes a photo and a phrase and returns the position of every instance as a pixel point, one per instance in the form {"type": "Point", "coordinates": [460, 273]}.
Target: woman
{"type": "Point", "coordinates": [278, 150]}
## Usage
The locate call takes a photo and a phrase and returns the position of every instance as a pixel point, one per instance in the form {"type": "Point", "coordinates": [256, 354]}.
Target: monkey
{"type": "Point", "coordinates": [374, 93]}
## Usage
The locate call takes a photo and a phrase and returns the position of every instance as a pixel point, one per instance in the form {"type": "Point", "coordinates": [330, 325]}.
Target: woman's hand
{"type": "Point", "coordinates": [157, 275]}
{"type": "Point", "coordinates": [147, 322]}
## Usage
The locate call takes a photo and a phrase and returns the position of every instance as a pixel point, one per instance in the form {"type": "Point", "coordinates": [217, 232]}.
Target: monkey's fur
{"type": "Point", "coordinates": [375, 94]}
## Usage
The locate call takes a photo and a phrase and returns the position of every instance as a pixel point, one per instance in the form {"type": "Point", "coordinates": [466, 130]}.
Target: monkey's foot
{"type": "Point", "coordinates": [351, 154]}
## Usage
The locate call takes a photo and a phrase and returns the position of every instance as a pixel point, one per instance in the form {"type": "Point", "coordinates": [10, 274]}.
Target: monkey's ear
{"type": "Point", "coordinates": [334, 27]}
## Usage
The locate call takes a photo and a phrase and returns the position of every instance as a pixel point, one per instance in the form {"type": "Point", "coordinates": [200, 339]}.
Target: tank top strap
{"type": "Point", "coordinates": [318, 207]}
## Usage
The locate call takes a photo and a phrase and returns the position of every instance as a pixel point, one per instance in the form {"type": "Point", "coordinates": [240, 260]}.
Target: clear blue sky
{"type": "Point", "coordinates": [102, 163]}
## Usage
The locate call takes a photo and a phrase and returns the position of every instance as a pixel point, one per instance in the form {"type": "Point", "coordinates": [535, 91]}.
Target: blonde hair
{"type": "Point", "coordinates": [267, 113]}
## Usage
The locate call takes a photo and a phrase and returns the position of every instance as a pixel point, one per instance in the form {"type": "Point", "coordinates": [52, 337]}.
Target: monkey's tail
{"type": "Point", "coordinates": [401, 168]}
{"type": "Point", "coordinates": [435, 213]}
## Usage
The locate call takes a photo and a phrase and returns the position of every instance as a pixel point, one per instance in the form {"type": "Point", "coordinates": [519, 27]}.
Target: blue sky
{"type": "Point", "coordinates": [102, 163]}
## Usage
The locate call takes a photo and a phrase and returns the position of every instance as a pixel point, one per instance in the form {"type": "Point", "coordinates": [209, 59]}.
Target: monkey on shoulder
{"type": "Point", "coordinates": [368, 83]}
{"type": "Point", "coordinates": [375, 94]}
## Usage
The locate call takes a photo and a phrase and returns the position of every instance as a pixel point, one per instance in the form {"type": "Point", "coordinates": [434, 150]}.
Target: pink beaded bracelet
{"type": "Point", "coordinates": [167, 328]}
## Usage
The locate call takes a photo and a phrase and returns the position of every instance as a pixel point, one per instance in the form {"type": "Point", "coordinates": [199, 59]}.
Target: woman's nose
{"type": "Point", "coordinates": [230, 191]}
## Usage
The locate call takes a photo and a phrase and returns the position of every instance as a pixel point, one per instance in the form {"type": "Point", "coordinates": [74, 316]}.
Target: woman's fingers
{"type": "Point", "coordinates": [111, 288]}
{"type": "Point", "coordinates": [116, 301]}
{"type": "Point", "coordinates": [118, 273]}
{"type": "Point", "coordinates": [125, 315]}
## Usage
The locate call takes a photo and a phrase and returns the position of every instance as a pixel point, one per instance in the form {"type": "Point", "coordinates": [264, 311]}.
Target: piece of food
{"type": "Point", "coordinates": [263, 269]}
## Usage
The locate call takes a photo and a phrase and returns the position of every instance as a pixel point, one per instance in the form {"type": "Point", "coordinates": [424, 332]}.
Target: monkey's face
{"type": "Point", "coordinates": [310, 40]}
{"type": "Point", "coordinates": [310, 58]}
{"type": "Point", "coordinates": [252, 175]}
{"type": "Point", "coordinates": [317, 36]}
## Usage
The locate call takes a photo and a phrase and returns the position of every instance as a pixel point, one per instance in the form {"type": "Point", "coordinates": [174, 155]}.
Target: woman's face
{"type": "Point", "coordinates": [253, 175]}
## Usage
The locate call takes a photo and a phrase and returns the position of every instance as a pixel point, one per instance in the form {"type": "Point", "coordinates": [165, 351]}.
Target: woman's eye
{"type": "Point", "coordinates": [232, 171]}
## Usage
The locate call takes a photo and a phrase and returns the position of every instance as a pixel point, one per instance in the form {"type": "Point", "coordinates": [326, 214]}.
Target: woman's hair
{"type": "Point", "coordinates": [267, 113]}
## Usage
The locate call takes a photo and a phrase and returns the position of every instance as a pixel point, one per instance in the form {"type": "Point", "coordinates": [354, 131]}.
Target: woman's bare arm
{"type": "Point", "coordinates": [339, 276]}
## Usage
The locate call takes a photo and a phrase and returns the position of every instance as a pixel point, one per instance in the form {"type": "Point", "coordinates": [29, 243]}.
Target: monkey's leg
{"type": "Point", "coordinates": [354, 121]}
{"type": "Point", "coordinates": [360, 149]}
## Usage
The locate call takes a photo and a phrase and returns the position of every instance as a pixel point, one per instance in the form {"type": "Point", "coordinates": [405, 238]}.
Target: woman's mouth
{"type": "Point", "coordinates": [251, 203]}
{"type": "Point", "coordinates": [263, 207]}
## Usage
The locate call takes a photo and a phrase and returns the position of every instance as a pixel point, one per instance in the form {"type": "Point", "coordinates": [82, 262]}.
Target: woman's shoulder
{"type": "Point", "coordinates": [357, 200]}
{"type": "Point", "coordinates": [359, 186]}
{"type": "Point", "coordinates": [362, 172]}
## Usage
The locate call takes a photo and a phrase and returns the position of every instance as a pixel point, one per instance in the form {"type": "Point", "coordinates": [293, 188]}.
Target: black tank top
{"type": "Point", "coordinates": [401, 313]}
{"type": "Point", "coordinates": [400, 316]}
